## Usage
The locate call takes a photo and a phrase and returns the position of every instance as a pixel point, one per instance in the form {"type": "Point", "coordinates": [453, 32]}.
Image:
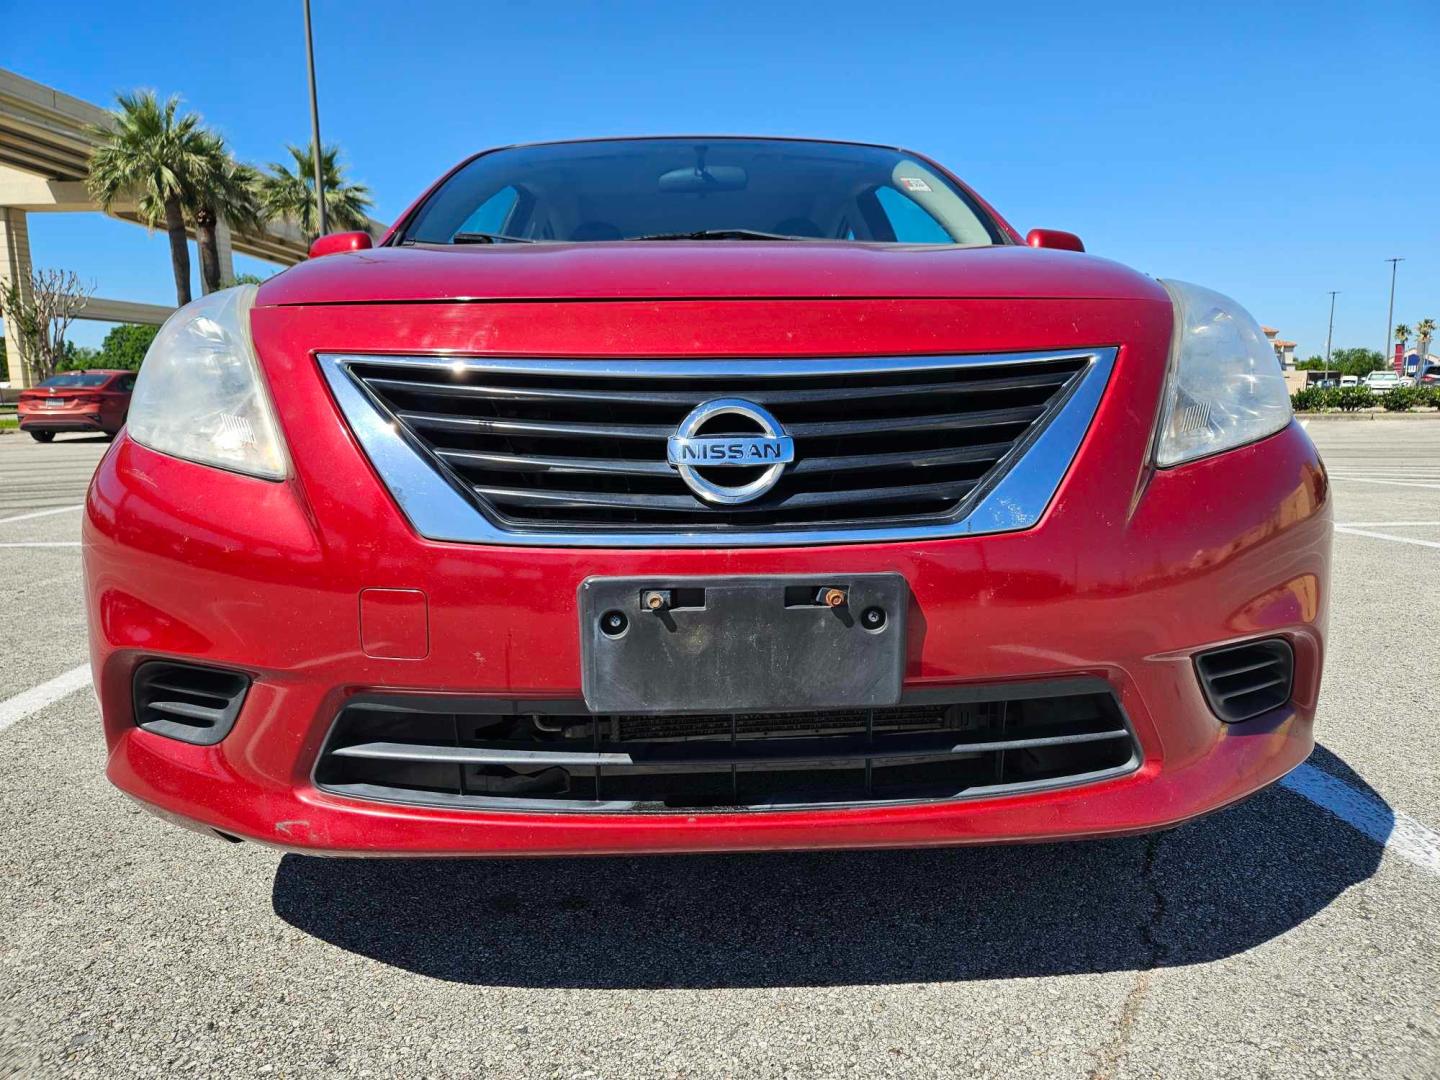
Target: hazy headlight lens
{"type": "Point", "coordinates": [200, 396]}
{"type": "Point", "coordinates": [1226, 388]}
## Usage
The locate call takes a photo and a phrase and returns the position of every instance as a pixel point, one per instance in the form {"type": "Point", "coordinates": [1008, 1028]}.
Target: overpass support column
{"type": "Point", "coordinates": [14, 267]}
{"type": "Point", "coordinates": [226, 252]}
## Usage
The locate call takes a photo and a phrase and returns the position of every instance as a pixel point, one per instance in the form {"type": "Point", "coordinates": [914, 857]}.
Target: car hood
{"type": "Point", "coordinates": [701, 270]}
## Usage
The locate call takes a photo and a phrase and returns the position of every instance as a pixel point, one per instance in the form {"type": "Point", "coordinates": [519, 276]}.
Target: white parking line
{"type": "Point", "coordinates": [42, 513]}
{"type": "Point", "coordinates": [1398, 831]}
{"type": "Point", "coordinates": [1387, 524]}
{"type": "Point", "coordinates": [1387, 474]}
{"type": "Point", "coordinates": [1392, 483]}
{"type": "Point", "coordinates": [32, 701]}
{"type": "Point", "coordinates": [41, 544]}
{"type": "Point", "coordinates": [1349, 531]}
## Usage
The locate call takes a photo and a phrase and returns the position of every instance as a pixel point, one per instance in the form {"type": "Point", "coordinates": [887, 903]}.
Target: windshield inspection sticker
{"type": "Point", "coordinates": [914, 183]}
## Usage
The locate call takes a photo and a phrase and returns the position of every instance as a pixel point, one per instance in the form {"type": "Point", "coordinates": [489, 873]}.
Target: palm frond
{"type": "Point", "coordinates": [288, 192]}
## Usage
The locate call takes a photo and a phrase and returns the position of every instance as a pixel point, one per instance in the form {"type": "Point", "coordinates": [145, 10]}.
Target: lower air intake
{"type": "Point", "coordinates": [183, 701]}
{"type": "Point", "coordinates": [1243, 681]}
{"type": "Point", "coordinates": [553, 756]}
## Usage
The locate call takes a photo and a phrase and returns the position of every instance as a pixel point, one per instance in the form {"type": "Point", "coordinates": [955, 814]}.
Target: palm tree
{"type": "Point", "coordinates": [291, 195]}
{"type": "Point", "coordinates": [221, 189]}
{"type": "Point", "coordinates": [152, 153]}
{"type": "Point", "coordinates": [1424, 331]}
{"type": "Point", "coordinates": [1402, 335]}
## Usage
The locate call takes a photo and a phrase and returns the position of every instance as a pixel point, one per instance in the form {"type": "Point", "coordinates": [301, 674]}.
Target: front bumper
{"type": "Point", "coordinates": [1116, 583]}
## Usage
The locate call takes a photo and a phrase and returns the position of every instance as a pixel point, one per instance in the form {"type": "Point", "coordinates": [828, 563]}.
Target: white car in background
{"type": "Point", "coordinates": [1382, 382]}
{"type": "Point", "coordinates": [1349, 380]}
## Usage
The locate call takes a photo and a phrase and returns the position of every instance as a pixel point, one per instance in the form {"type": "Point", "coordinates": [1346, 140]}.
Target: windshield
{"type": "Point", "coordinates": [77, 378]}
{"type": "Point", "coordinates": [701, 189]}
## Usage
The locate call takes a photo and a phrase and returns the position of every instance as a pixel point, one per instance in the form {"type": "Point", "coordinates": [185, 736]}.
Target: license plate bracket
{"type": "Point", "coordinates": [742, 644]}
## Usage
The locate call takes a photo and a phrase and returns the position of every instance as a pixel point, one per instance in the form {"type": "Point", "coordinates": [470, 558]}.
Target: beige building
{"type": "Point", "coordinates": [1284, 350]}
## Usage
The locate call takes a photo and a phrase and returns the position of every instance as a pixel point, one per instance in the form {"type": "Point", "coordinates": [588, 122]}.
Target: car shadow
{"type": "Point", "coordinates": [1208, 890]}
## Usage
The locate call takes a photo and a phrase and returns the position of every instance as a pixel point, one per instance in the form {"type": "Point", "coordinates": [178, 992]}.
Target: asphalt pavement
{"type": "Point", "coordinates": [1295, 935]}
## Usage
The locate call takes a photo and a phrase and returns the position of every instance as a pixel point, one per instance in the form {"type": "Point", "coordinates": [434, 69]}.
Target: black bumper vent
{"type": "Point", "coordinates": [182, 701]}
{"type": "Point", "coordinates": [1243, 681]}
{"type": "Point", "coordinates": [569, 450]}
{"type": "Point", "coordinates": [555, 756]}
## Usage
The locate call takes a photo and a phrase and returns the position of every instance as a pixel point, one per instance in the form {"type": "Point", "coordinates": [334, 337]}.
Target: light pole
{"type": "Point", "coordinates": [1330, 334]}
{"type": "Point", "coordinates": [1390, 315]}
{"type": "Point", "coordinates": [320, 222]}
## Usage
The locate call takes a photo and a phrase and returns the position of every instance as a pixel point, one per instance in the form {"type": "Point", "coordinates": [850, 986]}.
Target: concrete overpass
{"type": "Point", "coordinates": [44, 150]}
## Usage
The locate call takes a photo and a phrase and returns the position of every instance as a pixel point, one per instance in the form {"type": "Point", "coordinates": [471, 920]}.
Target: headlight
{"type": "Point", "coordinates": [1225, 387]}
{"type": "Point", "coordinates": [200, 395]}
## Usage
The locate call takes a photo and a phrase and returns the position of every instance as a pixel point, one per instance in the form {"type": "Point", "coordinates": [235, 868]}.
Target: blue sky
{"type": "Point", "coordinates": [1271, 151]}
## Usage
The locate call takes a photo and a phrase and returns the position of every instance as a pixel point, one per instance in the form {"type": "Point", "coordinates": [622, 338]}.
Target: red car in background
{"type": "Point", "coordinates": [91, 400]}
{"type": "Point", "coordinates": [695, 494]}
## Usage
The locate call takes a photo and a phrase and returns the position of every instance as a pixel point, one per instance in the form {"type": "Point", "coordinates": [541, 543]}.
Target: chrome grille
{"type": "Point", "coordinates": [572, 452]}
{"type": "Point", "coordinates": [580, 445]}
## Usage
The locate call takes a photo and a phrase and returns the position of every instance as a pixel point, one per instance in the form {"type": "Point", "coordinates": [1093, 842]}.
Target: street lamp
{"type": "Point", "coordinates": [1390, 315]}
{"type": "Point", "coordinates": [320, 222]}
{"type": "Point", "coordinates": [1330, 334]}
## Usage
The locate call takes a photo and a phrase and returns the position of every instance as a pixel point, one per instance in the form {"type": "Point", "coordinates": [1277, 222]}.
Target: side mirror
{"type": "Point", "coordinates": [1054, 238]}
{"type": "Point", "coordinates": [334, 243]}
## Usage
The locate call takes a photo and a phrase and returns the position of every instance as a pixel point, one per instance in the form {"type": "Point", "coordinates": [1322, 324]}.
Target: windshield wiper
{"type": "Point", "coordinates": [488, 238]}
{"type": "Point", "coordinates": [720, 234]}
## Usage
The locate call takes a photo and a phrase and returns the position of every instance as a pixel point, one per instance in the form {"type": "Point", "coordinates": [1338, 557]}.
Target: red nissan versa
{"type": "Point", "coordinates": [94, 401]}
{"type": "Point", "coordinates": [683, 494]}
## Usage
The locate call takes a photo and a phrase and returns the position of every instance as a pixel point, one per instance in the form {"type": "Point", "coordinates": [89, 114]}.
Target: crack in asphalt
{"type": "Point", "coordinates": [1111, 1055]}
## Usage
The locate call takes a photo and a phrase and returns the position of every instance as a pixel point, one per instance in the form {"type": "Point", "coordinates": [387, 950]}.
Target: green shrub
{"type": "Point", "coordinates": [1352, 398]}
{"type": "Point", "coordinates": [1309, 399]}
{"type": "Point", "coordinates": [1429, 395]}
{"type": "Point", "coordinates": [1400, 399]}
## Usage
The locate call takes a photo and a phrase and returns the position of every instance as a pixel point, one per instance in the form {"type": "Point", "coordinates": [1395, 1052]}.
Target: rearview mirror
{"type": "Point", "coordinates": [334, 243]}
{"type": "Point", "coordinates": [697, 179]}
{"type": "Point", "coordinates": [1054, 238]}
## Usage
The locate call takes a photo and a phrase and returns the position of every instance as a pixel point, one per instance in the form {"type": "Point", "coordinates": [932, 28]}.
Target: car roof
{"type": "Point", "coordinates": [711, 138]}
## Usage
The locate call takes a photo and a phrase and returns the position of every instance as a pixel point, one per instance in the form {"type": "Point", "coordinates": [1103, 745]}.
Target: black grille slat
{"type": "Point", "coordinates": [1243, 681]}
{"type": "Point", "coordinates": [563, 758]}
{"type": "Point", "coordinates": [830, 429]}
{"type": "Point", "coordinates": [1271, 683]}
{"type": "Point", "coordinates": [981, 418]}
{"type": "Point", "coordinates": [188, 710]}
{"type": "Point", "coordinates": [687, 398]}
{"type": "Point", "coordinates": [542, 464]}
{"type": "Point", "coordinates": [779, 752]}
{"type": "Point", "coordinates": [1219, 669]}
{"type": "Point", "coordinates": [986, 453]}
{"type": "Point", "coordinates": [569, 448]}
{"type": "Point", "coordinates": [539, 463]}
{"type": "Point", "coordinates": [683, 504]}
{"type": "Point", "coordinates": [545, 429]}
{"type": "Point", "coordinates": [192, 693]}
